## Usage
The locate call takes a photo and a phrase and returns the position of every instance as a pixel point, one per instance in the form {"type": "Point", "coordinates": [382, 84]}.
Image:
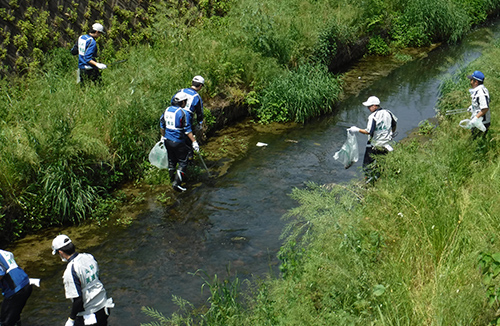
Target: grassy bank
{"type": "Point", "coordinates": [64, 149]}
{"type": "Point", "coordinates": [420, 247]}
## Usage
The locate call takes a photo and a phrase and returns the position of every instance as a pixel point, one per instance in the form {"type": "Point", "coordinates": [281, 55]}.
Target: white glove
{"type": "Point", "coordinates": [196, 147]}
{"type": "Point", "coordinates": [163, 139]}
{"type": "Point", "coordinates": [69, 322]}
{"type": "Point", "coordinates": [353, 129]}
{"type": "Point", "coordinates": [101, 65]}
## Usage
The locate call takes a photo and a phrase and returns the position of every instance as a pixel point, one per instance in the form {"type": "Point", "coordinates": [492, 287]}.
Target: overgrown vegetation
{"type": "Point", "coordinates": [419, 247]}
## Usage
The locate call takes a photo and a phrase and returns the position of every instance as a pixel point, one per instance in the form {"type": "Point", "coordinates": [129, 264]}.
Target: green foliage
{"type": "Point", "coordinates": [421, 22]}
{"type": "Point", "coordinates": [290, 256]}
{"type": "Point", "coordinates": [490, 268]}
{"type": "Point", "coordinates": [183, 317]}
{"type": "Point", "coordinates": [67, 192]}
{"type": "Point", "coordinates": [377, 46]}
{"type": "Point", "coordinates": [425, 127]}
{"type": "Point", "coordinates": [298, 95]}
{"type": "Point", "coordinates": [336, 35]}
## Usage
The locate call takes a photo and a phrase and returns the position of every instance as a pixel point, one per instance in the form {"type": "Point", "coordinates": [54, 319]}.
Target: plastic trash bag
{"type": "Point", "coordinates": [478, 123]}
{"type": "Point", "coordinates": [159, 156]}
{"type": "Point", "coordinates": [349, 153]}
{"type": "Point", "coordinates": [465, 123]}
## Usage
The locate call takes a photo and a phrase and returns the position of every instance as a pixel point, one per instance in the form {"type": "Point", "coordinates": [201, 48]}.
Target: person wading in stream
{"type": "Point", "coordinates": [194, 105]}
{"type": "Point", "coordinates": [175, 124]}
{"type": "Point", "coordinates": [16, 289]}
{"type": "Point", "coordinates": [380, 130]}
{"type": "Point", "coordinates": [86, 48]}
{"type": "Point", "coordinates": [480, 106]}
{"type": "Point", "coordinates": [82, 285]}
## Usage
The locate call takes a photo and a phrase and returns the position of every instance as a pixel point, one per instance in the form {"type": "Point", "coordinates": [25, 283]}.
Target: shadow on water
{"type": "Point", "coordinates": [235, 219]}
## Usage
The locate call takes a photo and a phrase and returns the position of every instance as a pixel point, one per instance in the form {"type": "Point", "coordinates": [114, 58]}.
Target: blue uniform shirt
{"type": "Point", "coordinates": [194, 103]}
{"type": "Point", "coordinates": [14, 278]}
{"type": "Point", "coordinates": [87, 50]}
{"type": "Point", "coordinates": [177, 123]}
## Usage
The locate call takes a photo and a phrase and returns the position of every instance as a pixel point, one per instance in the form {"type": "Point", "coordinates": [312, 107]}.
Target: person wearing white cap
{"type": "Point", "coordinates": [480, 98]}
{"type": "Point", "coordinates": [86, 48]}
{"type": "Point", "coordinates": [380, 130]}
{"type": "Point", "coordinates": [16, 289]}
{"type": "Point", "coordinates": [194, 104]}
{"type": "Point", "coordinates": [90, 305]}
{"type": "Point", "coordinates": [175, 124]}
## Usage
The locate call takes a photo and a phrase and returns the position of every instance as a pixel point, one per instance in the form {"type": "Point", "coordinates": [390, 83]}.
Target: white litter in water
{"type": "Point", "coordinates": [35, 282]}
{"type": "Point", "coordinates": [259, 144]}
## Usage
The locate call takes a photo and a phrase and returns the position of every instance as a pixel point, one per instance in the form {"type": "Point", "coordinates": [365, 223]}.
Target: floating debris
{"type": "Point", "coordinates": [259, 144]}
{"type": "Point", "coordinates": [238, 239]}
{"type": "Point", "coordinates": [291, 141]}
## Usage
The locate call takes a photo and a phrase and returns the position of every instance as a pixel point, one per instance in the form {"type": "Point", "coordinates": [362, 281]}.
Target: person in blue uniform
{"type": "Point", "coordinates": [175, 124]}
{"type": "Point", "coordinates": [89, 68]}
{"type": "Point", "coordinates": [16, 289]}
{"type": "Point", "coordinates": [194, 106]}
{"type": "Point", "coordinates": [90, 304]}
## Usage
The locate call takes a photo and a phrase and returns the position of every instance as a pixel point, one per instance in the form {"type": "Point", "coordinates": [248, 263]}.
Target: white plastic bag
{"type": "Point", "coordinates": [478, 123]}
{"type": "Point", "coordinates": [159, 156]}
{"type": "Point", "coordinates": [465, 123]}
{"type": "Point", "coordinates": [349, 153]}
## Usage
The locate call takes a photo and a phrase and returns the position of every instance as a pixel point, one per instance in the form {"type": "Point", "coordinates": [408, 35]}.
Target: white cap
{"type": "Point", "coordinates": [372, 100]}
{"type": "Point", "coordinates": [199, 79]}
{"type": "Point", "coordinates": [98, 28]}
{"type": "Point", "coordinates": [179, 97]}
{"type": "Point", "coordinates": [60, 241]}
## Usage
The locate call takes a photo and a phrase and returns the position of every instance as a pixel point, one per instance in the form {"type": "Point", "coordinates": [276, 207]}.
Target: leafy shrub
{"type": "Point", "coordinates": [377, 46]}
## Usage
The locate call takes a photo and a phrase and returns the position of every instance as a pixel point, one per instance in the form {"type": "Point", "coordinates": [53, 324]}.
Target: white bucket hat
{"type": "Point", "coordinates": [59, 242]}
{"type": "Point", "coordinates": [372, 100]}
{"type": "Point", "coordinates": [98, 28]}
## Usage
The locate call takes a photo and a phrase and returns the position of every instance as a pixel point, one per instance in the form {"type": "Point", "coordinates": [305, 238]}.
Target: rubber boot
{"type": "Point", "coordinates": [179, 176]}
{"type": "Point", "coordinates": [171, 174]}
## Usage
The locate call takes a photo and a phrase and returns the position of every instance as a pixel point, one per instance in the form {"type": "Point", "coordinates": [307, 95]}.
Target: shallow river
{"type": "Point", "coordinates": [235, 220]}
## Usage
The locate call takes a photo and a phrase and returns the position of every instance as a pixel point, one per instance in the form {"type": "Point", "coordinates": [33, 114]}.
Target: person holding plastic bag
{"type": "Point", "coordinates": [480, 107]}
{"type": "Point", "coordinates": [380, 130]}
{"type": "Point", "coordinates": [175, 124]}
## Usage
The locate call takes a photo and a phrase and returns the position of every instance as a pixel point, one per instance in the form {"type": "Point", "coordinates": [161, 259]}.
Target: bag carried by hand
{"type": "Point", "coordinates": [159, 156]}
{"type": "Point", "coordinates": [349, 153]}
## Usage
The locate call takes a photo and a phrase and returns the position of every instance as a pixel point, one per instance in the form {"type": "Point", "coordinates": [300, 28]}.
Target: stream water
{"type": "Point", "coordinates": [234, 221]}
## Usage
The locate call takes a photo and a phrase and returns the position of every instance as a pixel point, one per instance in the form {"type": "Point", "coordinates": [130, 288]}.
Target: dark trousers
{"type": "Point", "coordinates": [369, 161]}
{"type": "Point", "coordinates": [101, 316]}
{"type": "Point", "coordinates": [12, 306]}
{"type": "Point", "coordinates": [178, 153]}
{"type": "Point", "coordinates": [90, 75]}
